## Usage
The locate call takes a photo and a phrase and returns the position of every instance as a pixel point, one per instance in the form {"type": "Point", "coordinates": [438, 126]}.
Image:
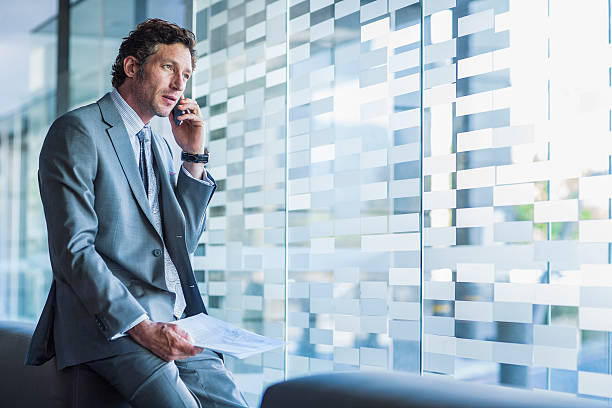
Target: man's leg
{"type": "Point", "coordinates": [145, 380]}
{"type": "Point", "coordinates": [206, 376]}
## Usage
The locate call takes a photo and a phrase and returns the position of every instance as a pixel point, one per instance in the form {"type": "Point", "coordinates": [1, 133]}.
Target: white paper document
{"type": "Point", "coordinates": [225, 338]}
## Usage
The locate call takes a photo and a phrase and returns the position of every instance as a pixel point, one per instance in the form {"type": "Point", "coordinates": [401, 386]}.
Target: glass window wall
{"type": "Point", "coordinates": [29, 45]}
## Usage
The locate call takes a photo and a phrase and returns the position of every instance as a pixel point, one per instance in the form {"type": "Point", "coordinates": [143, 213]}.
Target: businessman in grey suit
{"type": "Point", "coordinates": [121, 226]}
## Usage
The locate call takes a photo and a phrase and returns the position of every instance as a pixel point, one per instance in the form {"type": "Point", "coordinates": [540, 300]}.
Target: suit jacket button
{"type": "Point", "coordinates": [157, 252]}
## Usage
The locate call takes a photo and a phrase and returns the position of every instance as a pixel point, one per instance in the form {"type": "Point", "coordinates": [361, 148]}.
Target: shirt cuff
{"type": "Point", "coordinates": [142, 318]}
{"type": "Point", "coordinates": [205, 179]}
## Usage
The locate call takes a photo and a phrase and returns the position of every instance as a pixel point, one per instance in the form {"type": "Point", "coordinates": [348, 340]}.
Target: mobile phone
{"type": "Point", "coordinates": [176, 112]}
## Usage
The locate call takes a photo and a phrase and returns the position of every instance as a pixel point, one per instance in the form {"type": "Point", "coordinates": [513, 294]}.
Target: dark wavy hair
{"type": "Point", "coordinates": [144, 41]}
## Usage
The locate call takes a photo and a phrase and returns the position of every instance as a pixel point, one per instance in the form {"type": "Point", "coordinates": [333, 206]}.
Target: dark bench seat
{"type": "Point", "coordinates": [395, 390]}
{"type": "Point", "coordinates": [44, 386]}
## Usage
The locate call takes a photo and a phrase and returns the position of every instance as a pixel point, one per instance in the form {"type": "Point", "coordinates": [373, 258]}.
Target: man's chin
{"type": "Point", "coordinates": [163, 113]}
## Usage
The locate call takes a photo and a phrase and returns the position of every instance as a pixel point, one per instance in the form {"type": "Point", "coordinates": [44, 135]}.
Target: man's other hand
{"type": "Point", "coordinates": [167, 341]}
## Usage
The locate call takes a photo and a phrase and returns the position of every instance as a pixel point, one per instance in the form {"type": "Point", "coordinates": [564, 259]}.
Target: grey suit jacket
{"type": "Point", "coordinates": [106, 255]}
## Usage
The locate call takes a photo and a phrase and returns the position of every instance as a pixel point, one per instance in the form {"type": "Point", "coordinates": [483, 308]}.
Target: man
{"type": "Point", "coordinates": [121, 224]}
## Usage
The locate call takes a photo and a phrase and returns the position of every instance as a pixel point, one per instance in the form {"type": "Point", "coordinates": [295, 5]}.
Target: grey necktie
{"type": "Point", "coordinates": [143, 168]}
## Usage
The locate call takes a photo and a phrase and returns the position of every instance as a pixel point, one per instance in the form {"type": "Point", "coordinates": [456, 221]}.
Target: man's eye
{"type": "Point", "coordinates": [186, 77]}
{"type": "Point", "coordinates": [167, 66]}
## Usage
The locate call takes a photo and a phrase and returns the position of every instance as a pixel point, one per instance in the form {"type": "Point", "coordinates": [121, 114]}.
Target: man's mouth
{"type": "Point", "coordinates": [170, 99]}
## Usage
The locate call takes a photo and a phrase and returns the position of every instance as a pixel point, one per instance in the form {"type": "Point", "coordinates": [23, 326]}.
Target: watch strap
{"type": "Point", "coordinates": [194, 157]}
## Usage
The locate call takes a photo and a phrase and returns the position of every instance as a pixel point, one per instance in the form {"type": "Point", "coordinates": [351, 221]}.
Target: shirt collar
{"type": "Point", "coordinates": [131, 120]}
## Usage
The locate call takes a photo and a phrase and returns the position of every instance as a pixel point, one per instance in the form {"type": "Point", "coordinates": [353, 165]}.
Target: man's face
{"type": "Point", "coordinates": [162, 79]}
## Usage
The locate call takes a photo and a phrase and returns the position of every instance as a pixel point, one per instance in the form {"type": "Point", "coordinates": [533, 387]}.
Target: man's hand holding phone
{"type": "Point", "coordinates": [188, 126]}
{"type": "Point", "coordinates": [189, 131]}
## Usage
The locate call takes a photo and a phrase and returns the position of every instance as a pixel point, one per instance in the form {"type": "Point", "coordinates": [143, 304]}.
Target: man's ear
{"type": "Point", "coordinates": [130, 66]}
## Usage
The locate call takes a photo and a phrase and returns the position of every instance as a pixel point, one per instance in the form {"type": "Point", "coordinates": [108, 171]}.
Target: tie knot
{"type": "Point", "coordinates": [144, 135]}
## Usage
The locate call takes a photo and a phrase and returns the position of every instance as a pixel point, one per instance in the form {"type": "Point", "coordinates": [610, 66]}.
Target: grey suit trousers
{"type": "Point", "coordinates": [145, 380]}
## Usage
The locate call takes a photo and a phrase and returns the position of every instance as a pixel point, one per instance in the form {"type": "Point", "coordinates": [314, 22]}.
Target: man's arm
{"type": "Point", "coordinates": [196, 170]}
{"type": "Point", "coordinates": [67, 170]}
{"type": "Point", "coordinates": [193, 197]}
{"type": "Point", "coordinates": [192, 192]}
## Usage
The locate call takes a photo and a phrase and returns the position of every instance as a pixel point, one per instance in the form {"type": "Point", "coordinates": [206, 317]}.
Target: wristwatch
{"type": "Point", "coordinates": [194, 157]}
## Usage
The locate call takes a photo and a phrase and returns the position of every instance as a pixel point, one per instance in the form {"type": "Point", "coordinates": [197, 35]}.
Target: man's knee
{"type": "Point", "coordinates": [164, 389]}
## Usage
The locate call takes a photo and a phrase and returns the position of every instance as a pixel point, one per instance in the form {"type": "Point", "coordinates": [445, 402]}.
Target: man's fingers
{"type": "Point", "coordinates": [181, 342]}
{"type": "Point", "coordinates": [189, 338]}
{"type": "Point", "coordinates": [187, 348]}
{"type": "Point", "coordinates": [178, 357]}
{"type": "Point", "coordinates": [175, 354]}
{"type": "Point", "coordinates": [180, 331]}
{"type": "Point", "coordinates": [190, 116]}
{"type": "Point", "coordinates": [179, 354]}
{"type": "Point", "coordinates": [175, 338]}
{"type": "Point", "coordinates": [189, 104]}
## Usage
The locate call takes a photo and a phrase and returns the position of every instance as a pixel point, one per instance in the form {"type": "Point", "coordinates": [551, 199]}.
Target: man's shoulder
{"type": "Point", "coordinates": [77, 125]}
{"type": "Point", "coordinates": [88, 114]}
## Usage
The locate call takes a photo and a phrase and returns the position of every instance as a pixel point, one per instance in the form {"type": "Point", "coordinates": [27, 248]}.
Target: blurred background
{"type": "Point", "coordinates": [420, 186]}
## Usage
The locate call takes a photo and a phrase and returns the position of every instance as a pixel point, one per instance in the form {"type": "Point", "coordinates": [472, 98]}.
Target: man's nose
{"type": "Point", "coordinates": [178, 82]}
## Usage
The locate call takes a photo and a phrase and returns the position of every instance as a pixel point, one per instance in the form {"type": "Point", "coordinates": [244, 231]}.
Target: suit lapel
{"type": "Point", "coordinates": [125, 153]}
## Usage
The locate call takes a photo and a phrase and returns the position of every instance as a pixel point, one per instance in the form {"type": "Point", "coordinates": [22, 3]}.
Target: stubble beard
{"type": "Point", "coordinates": [145, 99]}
